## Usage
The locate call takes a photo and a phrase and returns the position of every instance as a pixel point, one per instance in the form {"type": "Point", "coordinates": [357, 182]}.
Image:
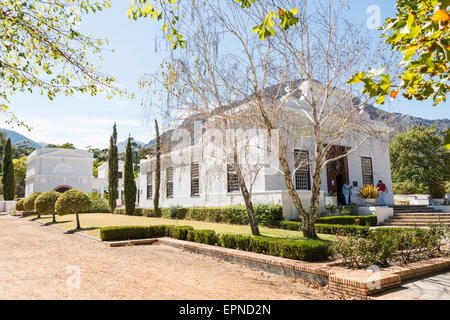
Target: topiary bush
{"type": "Point", "coordinates": [45, 203]}
{"type": "Point", "coordinates": [19, 205]}
{"type": "Point", "coordinates": [28, 202]}
{"type": "Point", "coordinates": [72, 201]}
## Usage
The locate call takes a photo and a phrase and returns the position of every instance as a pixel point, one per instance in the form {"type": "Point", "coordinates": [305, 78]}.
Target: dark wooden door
{"type": "Point", "coordinates": [337, 172]}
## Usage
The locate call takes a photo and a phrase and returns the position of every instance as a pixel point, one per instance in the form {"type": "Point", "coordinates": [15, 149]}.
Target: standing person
{"type": "Point", "coordinates": [346, 189]}
{"type": "Point", "coordinates": [383, 190]}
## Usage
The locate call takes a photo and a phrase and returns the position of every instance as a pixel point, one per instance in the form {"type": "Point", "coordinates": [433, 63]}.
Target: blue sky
{"type": "Point", "coordinates": [85, 120]}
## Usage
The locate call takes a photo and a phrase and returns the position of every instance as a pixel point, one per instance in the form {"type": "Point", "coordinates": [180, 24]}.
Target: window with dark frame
{"type": "Point", "coordinates": [302, 174]}
{"type": "Point", "coordinates": [367, 170]}
{"type": "Point", "coordinates": [169, 182]}
{"type": "Point", "coordinates": [149, 185]}
{"type": "Point", "coordinates": [232, 179]}
{"type": "Point", "coordinates": [119, 174]}
{"type": "Point", "coordinates": [195, 182]}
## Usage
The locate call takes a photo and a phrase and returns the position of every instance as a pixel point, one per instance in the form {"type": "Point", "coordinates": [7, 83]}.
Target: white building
{"type": "Point", "coordinates": [59, 169]}
{"type": "Point", "coordinates": [100, 184]}
{"type": "Point", "coordinates": [190, 177]}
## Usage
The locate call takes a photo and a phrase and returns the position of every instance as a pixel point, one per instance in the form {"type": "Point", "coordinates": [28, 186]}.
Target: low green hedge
{"type": "Point", "coordinates": [370, 220]}
{"type": "Point", "coordinates": [342, 229]}
{"type": "Point", "coordinates": [327, 228]}
{"type": "Point", "coordinates": [306, 250]}
{"type": "Point", "coordinates": [203, 236]}
{"type": "Point", "coordinates": [266, 214]}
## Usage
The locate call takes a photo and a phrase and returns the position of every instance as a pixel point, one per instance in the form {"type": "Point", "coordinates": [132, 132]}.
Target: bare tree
{"type": "Point", "coordinates": [294, 85]}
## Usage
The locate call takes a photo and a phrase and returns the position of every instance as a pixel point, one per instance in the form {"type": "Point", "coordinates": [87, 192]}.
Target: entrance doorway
{"type": "Point", "coordinates": [337, 172]}
{"type": "Point", "coordinates": [62, 189]}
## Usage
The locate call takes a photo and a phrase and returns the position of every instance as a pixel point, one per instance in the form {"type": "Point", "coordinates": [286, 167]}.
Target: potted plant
{"type": "Point", "coordinates": [369, 193]}
{"type": "Point", "coordinates": [331, 198]}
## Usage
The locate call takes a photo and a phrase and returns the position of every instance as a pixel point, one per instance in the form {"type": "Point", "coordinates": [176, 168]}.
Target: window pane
{"type": "Point", "coordinates": [195, 183]}
{"type": "Point", "coordinates": [169, 179]}
{"type": "Point", "coordinates": [232, 179]}
{"type": "Point", "coordinates": [302, 174]}
{"type": "Point", "coordinates": [149, 185]}
{"type": "Point", "coordinates": [367, 172]}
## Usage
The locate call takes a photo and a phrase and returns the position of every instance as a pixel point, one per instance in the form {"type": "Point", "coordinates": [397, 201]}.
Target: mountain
{"type": "Point", "coordinates": [402, 122]}
{"type": "Point", "coordinates": [121, 146]}
{"type": "Point", "coordinates": [17, 137]}
{"type": "Point", "coordinates": [398, 121]}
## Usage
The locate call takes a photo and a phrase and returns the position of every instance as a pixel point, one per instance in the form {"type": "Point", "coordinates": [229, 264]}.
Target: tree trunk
{"type": "Point", "coordinates": [307, 218]}
{"type": "Point", "coordinates": [157, 170]}
{"type": "Point", "coordinates": [53, 214]}
{"type": "Point", "coordinates": [247, 199]}
{"type": "Point", "coordinates": [78, 221]}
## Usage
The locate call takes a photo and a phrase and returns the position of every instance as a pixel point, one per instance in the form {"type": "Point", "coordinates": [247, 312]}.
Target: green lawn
{"type": "Point", "coordinates": [91, 222]}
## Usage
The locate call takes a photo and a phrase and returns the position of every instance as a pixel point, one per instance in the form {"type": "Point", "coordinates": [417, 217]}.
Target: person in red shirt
{"type": "Point", "coordinates": [383, 190]}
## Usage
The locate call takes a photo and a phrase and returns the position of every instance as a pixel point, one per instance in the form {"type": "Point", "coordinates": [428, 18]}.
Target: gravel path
{"type": "Point", "coordinates": [41, 262]}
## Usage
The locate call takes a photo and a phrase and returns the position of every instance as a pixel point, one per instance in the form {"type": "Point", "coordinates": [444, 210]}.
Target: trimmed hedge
{"type": "Point", "coordinates": [327, 228]}
{"type": "Point", "coordinates": [371, 220]}
{"type": "Point", "coordinates": [132, 232]}
{"type": "Point", "coordinates": [306, 250]}
{"type": "Point", "coordinates": [266, 214]}
{"type": "Point", "coordinates": [342, 229]}
{"type": "Point", "coordinates": [203, 236]}
{"type": "Point", "coordinates": [28, 202]}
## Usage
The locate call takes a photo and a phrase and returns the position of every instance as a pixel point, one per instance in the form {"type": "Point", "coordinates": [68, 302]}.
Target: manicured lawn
{"type": "Point", "coordinates": [91, 222]}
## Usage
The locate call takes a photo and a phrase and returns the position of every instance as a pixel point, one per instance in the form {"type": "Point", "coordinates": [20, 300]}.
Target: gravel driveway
{"type": "Point", "coordinates": [41, 262]}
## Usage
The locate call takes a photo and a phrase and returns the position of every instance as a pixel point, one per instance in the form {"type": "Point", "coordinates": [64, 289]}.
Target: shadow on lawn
{"type": "Point", "coordinates": [57, 222]}
{"type": "Point", "coordinates": [80, 230]}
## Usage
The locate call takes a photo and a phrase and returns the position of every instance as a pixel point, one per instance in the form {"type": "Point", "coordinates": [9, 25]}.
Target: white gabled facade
{"type": "Point", "coordinates": [59, 169]}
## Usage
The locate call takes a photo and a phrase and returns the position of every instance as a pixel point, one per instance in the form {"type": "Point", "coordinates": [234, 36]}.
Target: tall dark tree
{"type": "Point", "coordinates": [157, 169]}
{"type": "Point", "coordinates": [8, 181]}
{"type": "Point", "coordinates": [113, 169]}
{"type": "Point", "coordinates": [128, 182]}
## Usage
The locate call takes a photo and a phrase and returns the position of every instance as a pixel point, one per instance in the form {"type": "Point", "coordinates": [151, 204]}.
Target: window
{"type": "Point", "coordinates": [149, 185]}
{"type": "Point", "coordinates": [367, 172]}
{"type": "Point", "coordinates": [232, 179]}
{"type": "Point", "coordinates": [119, 174]}
{"type": "Point", "coordinates": [169, 182]}
{"type": "Point", "coordinates": [195, 182]}
{"type": "Point", "coordinates": [302, 174]}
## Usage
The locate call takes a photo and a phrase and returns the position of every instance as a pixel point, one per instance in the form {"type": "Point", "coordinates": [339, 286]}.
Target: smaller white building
{"type": "Point", "coordinates": [100, 184]}
{"type": "Point", "coordinates": [59, 169]}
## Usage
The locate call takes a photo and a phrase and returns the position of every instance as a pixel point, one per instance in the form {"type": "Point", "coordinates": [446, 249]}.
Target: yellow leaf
{"type": "Point", "coordinates": [294, 11]}
{"type": "Point", "coordinates": [280, 12]}
{"type": "Point", "coordinates": [440, 15]}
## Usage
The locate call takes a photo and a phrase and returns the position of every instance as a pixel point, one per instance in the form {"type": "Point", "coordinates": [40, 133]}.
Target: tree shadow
{"type": "Point", "coordinates": [57, 222]}
{"type": "Point", "coordinates": [72, 231]}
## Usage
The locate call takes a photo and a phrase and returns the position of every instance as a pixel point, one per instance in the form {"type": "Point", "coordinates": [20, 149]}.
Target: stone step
{"type": "Point", "coordinates": [422, 216]}
{"type": "Point", "coordinates": [408, 224]}
{"type": "Point", "coordinates": [419, 220]}
{"type": "Point", "coordinates": [417, 210]}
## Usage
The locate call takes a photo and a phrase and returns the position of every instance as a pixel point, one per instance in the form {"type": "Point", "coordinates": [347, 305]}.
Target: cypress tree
{"type": "Point", "coordinates": [8, 181]}
{"type": "Point", "coordinates": [128, 182]}
{"type": "Point", "coordinates": [157, 169]}
{"type": "Point", "coordinates": [113, 169]}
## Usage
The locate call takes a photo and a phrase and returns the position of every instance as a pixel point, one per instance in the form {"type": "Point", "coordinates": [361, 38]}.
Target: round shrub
{"type": "Point", "coordinates": [45, 202]}
{"type": "Point", "coordinates": [72, 201]}
{"type": "Point", "coordinates": [19, 205]}
{"type": "Point", "coordinates": [28, 202]}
